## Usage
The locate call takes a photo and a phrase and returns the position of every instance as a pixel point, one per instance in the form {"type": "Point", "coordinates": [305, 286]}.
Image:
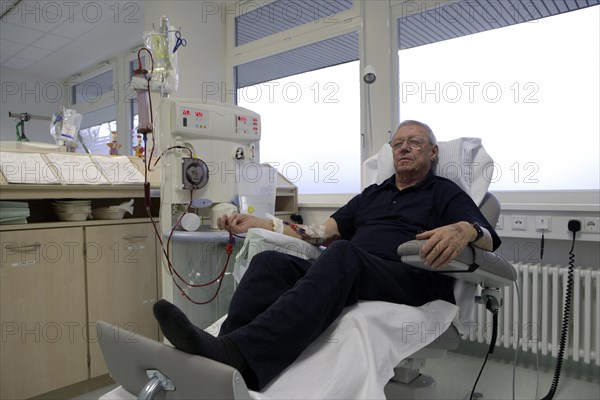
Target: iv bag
{"type": "Point", "coordinates": [164, 67]}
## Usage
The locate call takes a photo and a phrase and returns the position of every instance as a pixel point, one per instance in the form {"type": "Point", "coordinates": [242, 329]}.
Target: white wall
{"type": "Point", "coordinates": [37, 95]}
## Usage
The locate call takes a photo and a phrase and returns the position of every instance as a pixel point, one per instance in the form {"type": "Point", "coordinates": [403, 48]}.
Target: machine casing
{"type": "Point", "coordinates": [225, 137]}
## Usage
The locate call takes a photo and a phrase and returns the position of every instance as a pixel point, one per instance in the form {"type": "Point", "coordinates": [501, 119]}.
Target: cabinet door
{"type": "Point", "coordinates": [42, 301]}
{"type": "Point", "coordinates": [121, 281]}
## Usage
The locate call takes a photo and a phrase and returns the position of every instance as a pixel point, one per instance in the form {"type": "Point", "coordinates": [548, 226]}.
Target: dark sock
{"type": "Point", "coordinates": [187, 337]}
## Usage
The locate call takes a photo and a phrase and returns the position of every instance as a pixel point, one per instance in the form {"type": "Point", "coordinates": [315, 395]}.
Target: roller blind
{"type": "Point", "coordinates": [337, 50]}
{"type": "Point", "coordinates": [257, 22]}
{"type": "Point", "coordinates": [466, 17]}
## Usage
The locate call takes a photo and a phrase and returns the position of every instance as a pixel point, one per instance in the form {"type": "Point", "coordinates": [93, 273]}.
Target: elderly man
{"type": "Point", "coordinates": [283, 302]}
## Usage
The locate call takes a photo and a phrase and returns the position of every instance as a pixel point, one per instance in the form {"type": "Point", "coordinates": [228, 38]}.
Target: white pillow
{"type": "Point", "coordinates": [463, 161]}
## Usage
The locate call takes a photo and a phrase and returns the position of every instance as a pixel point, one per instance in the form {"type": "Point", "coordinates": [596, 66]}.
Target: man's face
{"type": "Point", "coordinates": [412, 150]}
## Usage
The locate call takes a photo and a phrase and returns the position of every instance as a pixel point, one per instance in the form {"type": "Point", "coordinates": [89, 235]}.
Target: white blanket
{"type": "Point", "coordinates": [355, 358]}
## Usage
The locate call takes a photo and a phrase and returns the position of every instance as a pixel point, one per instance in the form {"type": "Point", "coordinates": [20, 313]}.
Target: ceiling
{"type": "Point", "coordinates": [60, 39]}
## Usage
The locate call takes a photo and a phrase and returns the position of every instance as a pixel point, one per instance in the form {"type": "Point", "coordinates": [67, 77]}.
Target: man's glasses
{"type": "Point", "coordinates": [414, 143]}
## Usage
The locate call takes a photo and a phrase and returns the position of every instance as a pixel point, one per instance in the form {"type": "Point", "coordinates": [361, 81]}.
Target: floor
{"type": "Point", "coordinates": [456, 373]}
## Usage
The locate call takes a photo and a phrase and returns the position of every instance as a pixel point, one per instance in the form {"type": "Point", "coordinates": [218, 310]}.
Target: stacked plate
{"type": "Point", "coordinates": [14, 212]}
{"type": "Point", "coordinates": [72, 210]}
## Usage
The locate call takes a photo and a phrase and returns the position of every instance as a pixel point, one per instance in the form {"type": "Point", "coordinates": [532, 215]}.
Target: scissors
{"type": "Point", "coordinates": [179, 41]}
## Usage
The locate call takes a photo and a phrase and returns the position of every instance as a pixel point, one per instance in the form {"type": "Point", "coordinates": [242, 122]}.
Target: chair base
{"type": "Point", "coordinates": [422, 387]}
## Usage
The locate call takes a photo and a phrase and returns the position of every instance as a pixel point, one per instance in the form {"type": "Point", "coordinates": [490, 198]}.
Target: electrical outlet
{"type": "Point", "coordinates": [519, 223]}
{"type": "Point", "coordinates": [500, 223]}
{"type": "Point", "coordinates": [591, 225]}
{"type": "Point", "coordinates": [542, 223]}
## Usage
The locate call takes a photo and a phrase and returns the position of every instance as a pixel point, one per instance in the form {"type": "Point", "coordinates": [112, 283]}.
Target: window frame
{"type": "Point", "coordinates": [561, 200]}
{"type": "Point", "coordinates": [102, 101]}
{"type": "Point", "coordinates": [345, 22]}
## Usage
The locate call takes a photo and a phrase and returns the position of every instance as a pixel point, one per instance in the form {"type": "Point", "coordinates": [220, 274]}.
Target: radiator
{"type": "Point", "coordinates": [543, 289]}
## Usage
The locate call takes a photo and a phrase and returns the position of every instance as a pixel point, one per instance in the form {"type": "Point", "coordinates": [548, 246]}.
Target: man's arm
{"type": "Point", "coordinates": [445, 243]}
{"type": "Point", "coordinates": [240, 223]}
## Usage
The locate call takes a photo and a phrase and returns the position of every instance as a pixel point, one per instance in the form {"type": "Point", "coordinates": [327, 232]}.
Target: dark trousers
{"type": "Point", "coordinates": [283, 302]}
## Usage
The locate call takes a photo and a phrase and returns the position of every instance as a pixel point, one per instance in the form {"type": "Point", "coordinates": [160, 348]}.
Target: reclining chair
{"type": "Point", "coordinates": [150, 369]}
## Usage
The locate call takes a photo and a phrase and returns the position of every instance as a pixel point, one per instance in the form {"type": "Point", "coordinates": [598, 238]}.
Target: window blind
{"type": "Point", "coordinates": [466, 17]}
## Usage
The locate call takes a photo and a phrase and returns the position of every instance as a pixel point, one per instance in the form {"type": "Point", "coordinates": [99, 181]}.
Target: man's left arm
{"type": "Point", "coordinates": [445, 243]}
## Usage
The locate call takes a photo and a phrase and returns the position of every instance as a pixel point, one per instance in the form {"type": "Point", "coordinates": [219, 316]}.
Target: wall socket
{"type": "Point", "coordinates": [542, 223]}
{"type": "Point", "coordinates": [519, 223]}
{"type": "Point", "coordinates": [591, 225]}
{"type": "Point", "coordinates": [500, 223]}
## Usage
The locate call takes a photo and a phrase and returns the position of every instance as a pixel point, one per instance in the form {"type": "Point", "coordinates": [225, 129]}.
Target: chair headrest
{"type": "Point", "coordinates": [464, 161]}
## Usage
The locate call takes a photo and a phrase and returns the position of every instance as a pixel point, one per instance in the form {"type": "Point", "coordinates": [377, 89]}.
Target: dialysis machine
{"type": "Point", "coordinates": [205, 150]}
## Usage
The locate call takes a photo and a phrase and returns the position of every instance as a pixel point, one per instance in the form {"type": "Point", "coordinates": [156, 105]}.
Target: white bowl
{"type": "Point", "coordinates": [72, 216]}
{"type": "Point", "coordinates": [107, 213]}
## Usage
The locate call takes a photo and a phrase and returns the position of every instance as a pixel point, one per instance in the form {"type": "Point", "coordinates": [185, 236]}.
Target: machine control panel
{"type": "Point", "coordinates": [217, 121]}
{"type": "Point", "coordinates": [246, 125]}
{"type": "Point", "coordinates": [197, 119]}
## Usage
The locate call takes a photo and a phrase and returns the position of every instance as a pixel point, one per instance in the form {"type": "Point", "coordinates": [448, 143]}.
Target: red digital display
{"type": "Point", "coordinates": [186, 112]}
{"type": "Point", "coordinates": [242, 119]}
{"type": "Point", "coordinates": [199, 114]}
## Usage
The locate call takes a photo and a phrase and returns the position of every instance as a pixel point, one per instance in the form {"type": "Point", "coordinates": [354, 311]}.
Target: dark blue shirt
{"type": "Point", "coordinates": [382, 216]}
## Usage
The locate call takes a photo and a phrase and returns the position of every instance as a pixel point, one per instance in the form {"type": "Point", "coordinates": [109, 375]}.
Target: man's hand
{"type": "Point", "coordinates": [445, 243]}
{"type": "Point", "coordinates": [240, 223]}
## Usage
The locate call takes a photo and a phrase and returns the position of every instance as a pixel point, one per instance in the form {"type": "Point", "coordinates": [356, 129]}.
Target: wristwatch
{"type": "Point", "coordinates": [475, 225]}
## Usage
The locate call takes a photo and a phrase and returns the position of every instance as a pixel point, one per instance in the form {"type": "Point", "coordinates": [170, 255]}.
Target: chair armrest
{"type": "Point", "coordinates": [474, 265]}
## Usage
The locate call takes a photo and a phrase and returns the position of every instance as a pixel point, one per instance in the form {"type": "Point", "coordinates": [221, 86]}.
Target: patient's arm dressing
{"type": "Point", "coordinates": [314, 234]}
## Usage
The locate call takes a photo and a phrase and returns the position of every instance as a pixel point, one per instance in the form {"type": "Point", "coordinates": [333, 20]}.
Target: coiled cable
{"type": "Point", "coordinates": [574, 226]}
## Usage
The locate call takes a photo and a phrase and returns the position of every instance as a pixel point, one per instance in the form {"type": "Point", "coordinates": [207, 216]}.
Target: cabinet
{"type": "Point", "coordinates": [121, 281]}
{"type": "Point", "coordinates": [58, 278]}
{"type": "Point", "coordinates": [42, 301]}
{"type": "Point", "coordinates": [55, 284]}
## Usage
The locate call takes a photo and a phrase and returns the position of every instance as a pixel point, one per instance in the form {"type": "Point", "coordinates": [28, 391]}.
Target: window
{"type": "Point", "coordinates": [95, 130]}
{"type": "Point", "coordinates": [92, 89]}
{"type": "Point", "coordinates": [524, 89]}
{"type": "Point", "coordinates": [93, 95]}
{"type": "Point", "coordinates": [97, 137]}
{"type": "Point", "coordinates": [295, 63]}
{"type": "Point", "coordinates": [310, 127]}
{"type": "Point", "coordinates": [309, 102]}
